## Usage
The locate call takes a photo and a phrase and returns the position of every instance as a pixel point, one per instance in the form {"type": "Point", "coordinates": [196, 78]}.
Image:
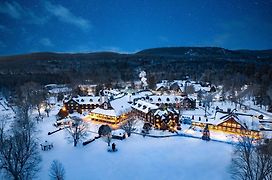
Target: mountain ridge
{"type": "Point", "coordinates": [174, 52]}
{"type": "Point", "coordinates": [208, 63]}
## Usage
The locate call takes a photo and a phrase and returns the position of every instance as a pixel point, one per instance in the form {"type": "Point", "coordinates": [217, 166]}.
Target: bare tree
{"type": "Point", "coordinates": [57, 171]}
{"type": "Point", "coordinates": [252, 161]}
{"type": "Point", "coordinates": [130, 126]}
{"type": "Point", "coordinates": [190, 89]}
{"type": "Point", "coordinates": [34, 94]}
{"type": "Point", "coordinates": [77, 129]}
{"type": "Point", "coordinates": [207, 99]}
{"type": "Point", "coordinates": [240, 97]}
{"type": "Point", "coordinates": [19, 155]}
{"type": "Point", "coordinates": [47, 109]}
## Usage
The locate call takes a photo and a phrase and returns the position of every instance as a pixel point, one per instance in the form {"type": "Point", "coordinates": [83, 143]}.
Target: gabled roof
{"type": "Point", "coordinates": [247, 121]}
{"type": "Point", "coordinates": [119, 106]}
{"type": "Point", "coordinates": [140, 94]}
{"type": "Point", "coordinates": [164, 99]}
{"type": "Point", "coordinates": [169, 85]}
{"type": "Point", "coordinates": [84, 99]}
{"type": "Point", "coordinates": [144, 106]}
{"type": "Point", "coordinates": [107, 112]}
{"type": "Point", "coordinates": [164, 112]}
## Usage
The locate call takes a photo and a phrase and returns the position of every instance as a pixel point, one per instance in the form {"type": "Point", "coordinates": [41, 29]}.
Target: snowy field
{"type": "Point", "coordinates": [137, 158]}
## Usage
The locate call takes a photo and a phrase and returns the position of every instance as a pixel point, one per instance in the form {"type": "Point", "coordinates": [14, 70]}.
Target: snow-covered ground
{"type": "Point", "coordinates": [137, 157]}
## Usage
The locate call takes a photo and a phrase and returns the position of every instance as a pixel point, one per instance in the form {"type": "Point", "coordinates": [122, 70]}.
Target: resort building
{"type": "Point", "coordinates": [163, 119]}
{"type": "Point", "coordinates": [113, 112]}
{"type": "Point", "coordinates": [81, 103]}
{"type": "Point", "coordinates": [231, 122]}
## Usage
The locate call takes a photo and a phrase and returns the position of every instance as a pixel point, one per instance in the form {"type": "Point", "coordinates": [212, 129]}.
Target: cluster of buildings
{"type": "Point", "coordinates": [183, 86]}
{"type": "Point", "coordinates": [162, 111]}
{"type": "Point", "coordinates": [116, 108]}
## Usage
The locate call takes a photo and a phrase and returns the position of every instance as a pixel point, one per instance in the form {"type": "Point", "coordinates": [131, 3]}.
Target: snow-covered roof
{"type": "Point", "coordinates": [160, 85]}
{"type": "Point", "coordinates": [87, 85]}
{"type": "Point", "coordinates": [164, 99]}
{"type": "Point", "coordinates": [161, 112]}
{"type": "Point", "coordinates": [120, 106]}
{"type": "Point", "coordinates": [85, 99]}
{"type": "Point", "coordinates": [111, 92]}
{"type": "Point", "coordinates": [247, 121]}
{"type": "Point", "coordinates": [167, 85]}
{"type": "Point", "coordinates": [59, 90]}
{"type": "Point", "coordinates": [198, 87]}
{"type": "Point", "coordinates": [107, 112]}
{"type": "Point", "coordinates": [144, 106]}
{"type": "Point", "coordinates": [181, 84]}
{"type": "Point", "coordinates": [139, 94]}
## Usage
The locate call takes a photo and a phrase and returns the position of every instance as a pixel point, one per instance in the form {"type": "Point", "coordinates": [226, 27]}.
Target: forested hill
{"type": "Point", "coordinates": [214, 53]}
{"type": "Point", "coordinates": [201, 63]}
{"type": "Point", "coordinates": [189, 53]}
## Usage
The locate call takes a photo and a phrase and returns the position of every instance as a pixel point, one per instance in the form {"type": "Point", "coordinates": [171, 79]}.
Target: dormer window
{"type": "Point", "coordinates": [151, 99]}
{"type": "Point", "coordinates": [159, 99]}
{"type": "Point", "coordinates": [82, 100]}
{"type": "Point", "coordinates": [105, 106]}
{"type": "Point", "coordinates": [167, 99]}
{"type": "Point", "coordinates": [144, 107]}
{"type": "Point", "coordinates": [91, 100]}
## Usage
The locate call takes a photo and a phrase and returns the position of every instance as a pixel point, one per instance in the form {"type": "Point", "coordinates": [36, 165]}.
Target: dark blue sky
{"type": "Point", "coordinates": [132, 25]}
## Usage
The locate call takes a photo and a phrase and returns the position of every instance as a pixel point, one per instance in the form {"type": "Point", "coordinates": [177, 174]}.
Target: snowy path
{"type": "Point", "coordinates": [262, 112]}
{"type": "Point", "coordinates": [257, 110]}
{"type": "Point", "coordinates": [182, 135]}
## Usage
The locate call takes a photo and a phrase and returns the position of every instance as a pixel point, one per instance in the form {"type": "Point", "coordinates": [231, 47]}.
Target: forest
{"type": "Point", "coordinates": [232, 69]}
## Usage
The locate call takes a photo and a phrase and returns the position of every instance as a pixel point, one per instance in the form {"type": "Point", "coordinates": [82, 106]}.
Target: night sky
{"type": "Point", "coordinates": [132, 25]}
